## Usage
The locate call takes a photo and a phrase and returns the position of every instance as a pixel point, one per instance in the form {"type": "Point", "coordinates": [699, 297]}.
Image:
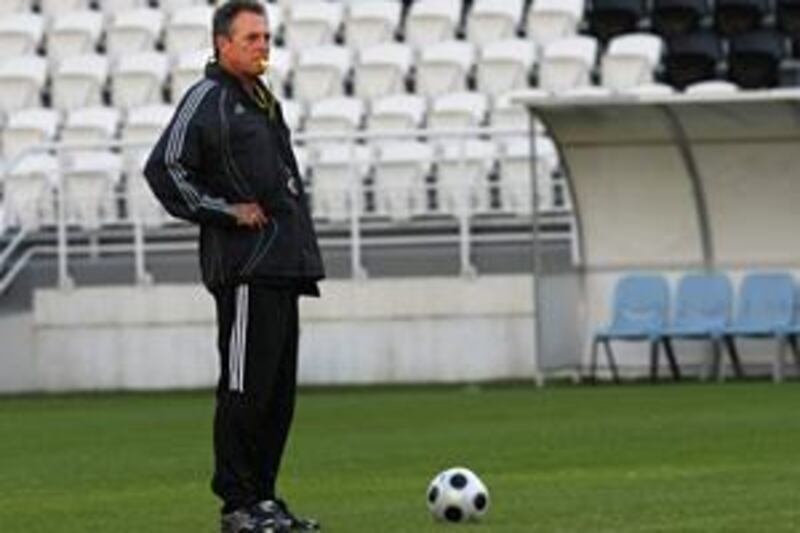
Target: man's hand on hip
{"type": "Point", "coordinates": [250, 214]}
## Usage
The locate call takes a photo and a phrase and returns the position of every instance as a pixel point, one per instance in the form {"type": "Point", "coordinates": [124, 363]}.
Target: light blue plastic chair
{"type": "Point", "coordinates": [792, 338]}
{"type": "Point", "coordinates": [766, 310]}
{"type": "Point", "coordinates": [639, 314]}
{"type": "Point", "coordinates": [702, 312]}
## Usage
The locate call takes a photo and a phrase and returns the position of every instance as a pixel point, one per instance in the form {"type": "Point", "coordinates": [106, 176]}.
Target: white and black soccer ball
{"type": "Point", "coordinates": [457, 495]}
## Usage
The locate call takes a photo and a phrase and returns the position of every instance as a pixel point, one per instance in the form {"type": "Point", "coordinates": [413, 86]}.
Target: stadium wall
{"type": "Point", "coordinates": [372, 331]}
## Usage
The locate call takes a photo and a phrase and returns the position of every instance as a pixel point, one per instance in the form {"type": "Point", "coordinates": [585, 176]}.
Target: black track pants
{"type": "Point", "coordinates": [258, 329]}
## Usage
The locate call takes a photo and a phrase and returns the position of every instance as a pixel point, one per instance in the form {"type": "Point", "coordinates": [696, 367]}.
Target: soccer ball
{"type": "Point", "coordinates": [457, 495]}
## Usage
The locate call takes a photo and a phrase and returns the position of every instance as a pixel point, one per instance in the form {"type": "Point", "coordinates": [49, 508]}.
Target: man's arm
{"type": "Point", "coordinates": [173, 170]}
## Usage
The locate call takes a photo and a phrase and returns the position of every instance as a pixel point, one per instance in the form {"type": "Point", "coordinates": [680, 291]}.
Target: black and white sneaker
{"type": "Point", "coordinates": [279, 509]}
{"type": "Point", "coordinates": [251, 521]}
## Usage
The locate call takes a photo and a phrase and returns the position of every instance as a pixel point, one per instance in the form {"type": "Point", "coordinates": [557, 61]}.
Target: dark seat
{"type": "Point", "coordinates": [735, 17]}
{"type": "Point", "coordinates": [787, 20]}
{"type": "Point", "coordinates": [609, 18]}
{"type": "Point", "coordinates": [675, 17]}
{"type": "Point", "coordinates": [692, 58]}
{"type": "Point", "coordinates": [754, 59]}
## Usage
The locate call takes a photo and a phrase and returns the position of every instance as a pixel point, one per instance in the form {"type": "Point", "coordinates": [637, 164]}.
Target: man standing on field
{"type": "Point", "coordinates": [225, 162]}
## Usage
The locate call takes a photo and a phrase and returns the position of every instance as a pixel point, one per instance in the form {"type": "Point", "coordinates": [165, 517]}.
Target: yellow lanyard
{"type": "Point", "coordinates": [264, 99]}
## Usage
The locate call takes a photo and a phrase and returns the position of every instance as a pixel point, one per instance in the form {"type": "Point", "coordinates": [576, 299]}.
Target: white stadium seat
{"type": "Point", "coordinates": [279, 71]}
{"type": "Point", "coordinates": [334, 170]}
{"type": "Point", "coordinates": [712, 88]}
{"type": "Point", "coordinates": [189, 29]}
{"type": "Point", "coordinates": [462, 175]}
{"type": "Point", "coordinates": [170, 6]}
{"type": "Point", "coordinates": [505, 65]}
{"type": "Point", "coordinates": [312, 23]}
{"type": "Point", "coordinates": [8, 7]}
{"type": "Point", "coordinates": [89, 179]}
{"type": "Point", "coordinates": [340, 114]}
{"type": "Point", "coordinates": [493, 20]}
{"type": "Point", "coordinates": [274, 19]}
{"type": "Point", "coordinates": [568, 63]}
{"type": "Point", "coordinates": [401, 169]}
{"type": "Point", "coordinates": [188, 69]}
{"type": "Point", "coordinates": [143, 207]}
{"type": "Point", "coordinates": [432, 21]}
{"type": "Point", "coordinates": [382, 69]}
{"type": "Point", "coordinates": [74, 33]}
{"type": "Point", "coordinates": [514, 167]}
{"type": "Point", "coordinates": [138, 79]}
{"type": "Point", "coordinates": [28, 127]}
{"type": "Point", "coordinates": [550, 20]}
{"type": "Point", "coordinates": [293, 114]}
{"type": "Point", "coordinates": [320, 72]}
{"type": "Point", "coordinates": [650, 90]}
{"type": "Point", "coordinates": [56, 8]}
{"type": "Point", "coordinates": [134, 31]}
{"type": "Point", "coordinates": [142, 128]}
{"type": "Point", "coordinates": [90, 124]}
{"type": "Point", "coordinates": [20, 34]}
{"type": "Point", "coordinates": [28, 190]}
{"type": "Point", "coordinates": [78, 81]}
{"type": "Point", "coordinates": [630, 60]}
{"type": "Point", "coordinates": [21, 81]}
{"type": "Point", "coordinates": [458, 110]}
{"type": "Point", "coordinates": [371, 22]}
{"type": "Point", "coordinates": [397, 112]}
{"type": "Point", "coordinates": [111, 8]}
{"type": "Point", "coordinates": [443, 68]}
{"type": "Point", "coordinates": [505, 114]}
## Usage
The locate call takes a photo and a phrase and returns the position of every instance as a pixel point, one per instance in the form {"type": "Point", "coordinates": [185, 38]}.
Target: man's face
{"type": "Point", "coordinates": [246, 49]}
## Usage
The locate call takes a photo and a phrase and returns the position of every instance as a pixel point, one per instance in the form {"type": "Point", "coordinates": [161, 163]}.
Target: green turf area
{"type": "Point", "coordinates": [688, 458]}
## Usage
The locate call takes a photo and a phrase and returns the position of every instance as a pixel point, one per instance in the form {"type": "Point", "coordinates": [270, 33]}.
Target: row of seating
{"type": "Point", "coordinates": [398, 180]}
{"type": "Point", "coordinates": [767, 307]}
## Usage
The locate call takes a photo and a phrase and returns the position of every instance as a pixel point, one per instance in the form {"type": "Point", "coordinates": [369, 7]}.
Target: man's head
{"type": "Point", "coordinates": [241, 37]}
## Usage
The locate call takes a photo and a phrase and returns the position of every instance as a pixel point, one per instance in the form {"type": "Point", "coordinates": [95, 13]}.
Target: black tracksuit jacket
{"type": "Point", "coordinates": [221, 148]}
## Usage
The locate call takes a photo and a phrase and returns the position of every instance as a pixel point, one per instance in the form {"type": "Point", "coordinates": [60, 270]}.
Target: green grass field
{"type": "Point", "coordinates": [688, 458]}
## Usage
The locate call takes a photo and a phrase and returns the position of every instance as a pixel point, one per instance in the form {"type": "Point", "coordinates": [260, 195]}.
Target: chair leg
{"type": "Point", "coordinates": [777, 368]}
{"type": "Point", "coordinates": [655, 355]}
{"type": "Point", "coordinates": [593, 362]}
{"type": "Point", "coordinates": [612, 363]}
{"type": "Point", "coordinates": [673, 363]}
{"type": "Point", "coordinates": [795, 352]}
{"type": "Point", "coordinates": [713, 365]}
{"type": "Point", "coordinates": [734, 355]}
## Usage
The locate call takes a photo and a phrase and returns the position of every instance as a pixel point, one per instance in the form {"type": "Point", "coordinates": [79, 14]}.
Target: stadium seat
{"type": "Point", "coordinates": [188, 69]}
{"type": "Point", "coordinates": [765, 310]}
{"type": "Point", "coordinates": [443, 68]}
{"type": "Point", "coordinates": [27, 128]}
{"type": "Point", "coordinates": [21, 81]}
{"type": "Point", "coordinates": [514, 174]}
{"type": "Point", "coordinates": [134, 31]}
{"type": "Point", "coordinates": [692, 58]}
{"type": "Point", "coordinates": [371, 23]}
{"type": "Point", "coordinates": [279, 71]}
{"type": "Point", "coordinates": [138, 79]}
{"type": "Point", "coordinates": [74, 33]}
{"type": "Point", "coordinates": [90, 124]}
{"type": "Point", "coordinates": [431, 21]}
{"type": "Point", "coordinates": [382, 69]}
{"type": "Point", "coordinates": [638, 314]}
{"type": "Point", "coordinates": [8, 7]}
{"type": "Point", "coordinates": [670, 18]}
{"type": "Point", "coordinates": [397, 112]}
{"type": "Point", "coordinates": [53, 9]}
{"type": "Point", "coordinates": [141, 129]}
{"type": "Point", "coordinates": [567, 63]}
{"type": "Point", "coordinates": [703, 306]}
{"type": "Point", "coordinates": [78, 81]}
{"type": "Point", "coordinates": [610, 18]}
{"type": "Point", "coordinates": [20, 34]}
{"type": "Point", "coordinates": [334, 169]}
{"type": "Point", "coordinates": [462, 171]}
{"type": "Point", "coordinates": [754, 59]}
{"type": "Point", "coordinates": [89, 181]}
{"type": "Point", "coordinates": [189, 29]}
{"type": "Point", "coordinates": [320, 72]}
{"type": "Point", "coordinates": [400, 173]}
{"type": "Point", "coordinates": [312, 23]}
{"type": "Point", "coordinates": [142, 205]}
{"type": "Point", "coordinates": [293, 114]}
{"type": "Point", "coordinates": [631, 60]}
{"type": "Point", "coordinates": [504, 114]}
{"type": "Point", "coordinates": [458, 110]}
{"type": "Point", "coordinates": [340, 114]}
{"type": "Point", "coordinates": [649, 90]}
{"type": "Point", "coordinates": [28, 191]}
{"type": "Point", "coordinates": [505, 65]}
{"type": "Point", "coordinates": [551, 20]}
{"type": "Point", "coordinates": [171, 6]}
{"type": "Point", "coordinates": [493, 20]}
{"type": "Point", "coordinates": [712, 88]}
{"type": "Point", "coordinates": [735, 17]}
